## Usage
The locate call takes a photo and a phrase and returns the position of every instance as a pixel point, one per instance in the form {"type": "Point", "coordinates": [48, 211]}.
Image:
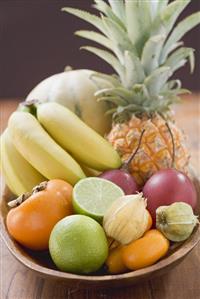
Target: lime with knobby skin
{"type": "Point", "coordinates": [93, 196]}
{"type": "Point", "coordinates": [78, 244]}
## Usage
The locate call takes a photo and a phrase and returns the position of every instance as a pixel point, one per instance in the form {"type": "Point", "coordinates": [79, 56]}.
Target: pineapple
{"type": "Point", "coordinates": [143, 47]}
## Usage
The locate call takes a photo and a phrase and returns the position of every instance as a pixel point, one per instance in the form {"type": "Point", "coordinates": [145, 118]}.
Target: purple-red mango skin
{"type": "Point", "coordinates": [121, 178]}
{"type": "Point", "coordinates": [166, 187]}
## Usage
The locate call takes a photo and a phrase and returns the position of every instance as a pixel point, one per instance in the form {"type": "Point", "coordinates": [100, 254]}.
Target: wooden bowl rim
{"type": "Point", "coordinates": [184, 249]}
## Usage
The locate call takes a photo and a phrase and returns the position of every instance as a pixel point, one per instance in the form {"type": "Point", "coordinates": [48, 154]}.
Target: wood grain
{"type": "Point", "coordinates": [17, 282]}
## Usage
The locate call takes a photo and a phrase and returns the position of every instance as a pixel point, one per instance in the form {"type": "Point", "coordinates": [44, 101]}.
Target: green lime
{"type": "Point", "coordinates": [93, 196]}
{"type": "Point", "coordinates": [78, 244]}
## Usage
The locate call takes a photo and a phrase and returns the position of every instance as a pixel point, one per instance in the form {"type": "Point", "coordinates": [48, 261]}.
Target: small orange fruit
{"type": "Point", "coordinates": [145, 251]}
{"type": "Point", "coordinates": [150, 221]}
{"type": "Point", "coordinates": [114, 261]}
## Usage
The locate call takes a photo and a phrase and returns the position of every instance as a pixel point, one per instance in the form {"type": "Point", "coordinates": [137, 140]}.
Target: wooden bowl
{"type": "Point", "coordinates": [41, 263]}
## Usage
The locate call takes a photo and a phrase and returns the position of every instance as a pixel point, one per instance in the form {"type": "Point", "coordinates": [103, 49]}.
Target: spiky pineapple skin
{"type": "Point", "coordinates": [156, 149]}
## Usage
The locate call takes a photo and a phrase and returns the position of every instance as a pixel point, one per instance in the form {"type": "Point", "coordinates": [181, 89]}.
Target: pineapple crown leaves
{"type": "Point", "coordinates": [144, 48]}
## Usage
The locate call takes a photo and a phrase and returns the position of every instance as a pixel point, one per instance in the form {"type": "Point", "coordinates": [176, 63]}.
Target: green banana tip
{"type": "Point", "coordinates": [29, 106]}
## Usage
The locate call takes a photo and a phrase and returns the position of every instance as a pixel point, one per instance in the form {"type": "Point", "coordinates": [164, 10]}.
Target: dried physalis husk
{"type": "Point", "coordinates": [127, 218]}
{"type": "Point", "coordinates": [176, 221]}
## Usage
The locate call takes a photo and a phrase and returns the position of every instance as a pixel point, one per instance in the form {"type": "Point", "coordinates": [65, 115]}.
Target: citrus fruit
{"type": "Point", "coordinates": [93, 196]}
{"type": "Point", "coordinates": [78, 244]}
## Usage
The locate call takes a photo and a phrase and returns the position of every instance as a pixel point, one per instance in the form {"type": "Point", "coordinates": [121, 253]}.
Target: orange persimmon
{"type": "Point", "coordinates": [32, 221]}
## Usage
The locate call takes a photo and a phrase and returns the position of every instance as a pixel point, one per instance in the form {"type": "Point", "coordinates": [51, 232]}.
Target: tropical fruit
{"type": "Point", "coordinates": [144, 49]}
{"type": "Point", "coordinates": [33, 215]}
{"type": "Point", "coordinates": [78, 244]}
{"type": "Point", "coordinates": [19, 175]}
{"type": "Point", "coordinates": [75, 90]}
{"type": "Point", "coordinates": [76, 137]}
{"type": "Point", "coordinates": [40, 150]}
{"type": "Point", "coordinates": [93, 196]}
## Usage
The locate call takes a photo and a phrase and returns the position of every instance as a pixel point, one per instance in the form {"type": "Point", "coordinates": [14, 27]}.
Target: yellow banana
{"type": "Point", "coordinates": [19, 175]}
{"type": "Point", "coordinates": [75, 136]}
{"type": "Point", "coordinates": [89, 171]}
{"type": "Point", "coordinates": [40, 150]}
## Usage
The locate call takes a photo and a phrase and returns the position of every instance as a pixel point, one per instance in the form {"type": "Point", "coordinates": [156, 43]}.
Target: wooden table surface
{"type": "Point", "coordinates": [17, 282]}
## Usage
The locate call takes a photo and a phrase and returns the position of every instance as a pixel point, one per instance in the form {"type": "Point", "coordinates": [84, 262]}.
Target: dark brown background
{"type": "Point", "coordinates": [36, 41]}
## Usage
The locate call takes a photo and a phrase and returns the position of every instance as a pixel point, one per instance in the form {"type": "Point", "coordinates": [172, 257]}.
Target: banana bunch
{"type": "Point", "coordinates": [52, 146]}
{"type": "Point", "coordinates": [19, 175]}
{"type": "Point", "coordinates": [68, 130]}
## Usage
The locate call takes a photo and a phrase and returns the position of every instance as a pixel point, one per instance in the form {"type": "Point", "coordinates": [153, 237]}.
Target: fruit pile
{"type": "Point", "coordinates": [99, 197]}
